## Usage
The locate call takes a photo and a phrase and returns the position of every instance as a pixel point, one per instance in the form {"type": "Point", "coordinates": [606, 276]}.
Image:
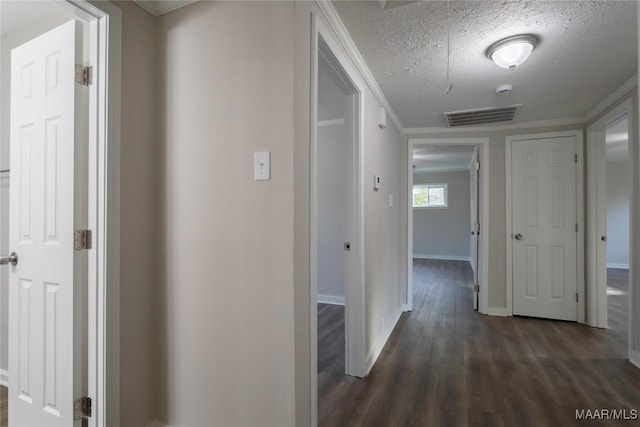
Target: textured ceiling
{"type": "Point", "coordinates": [587, 50]}
{"type": "Point", "coordinates": [442, 158]}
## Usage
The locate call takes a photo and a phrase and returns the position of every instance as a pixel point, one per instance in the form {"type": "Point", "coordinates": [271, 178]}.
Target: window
{"type": "Point", "coordinates": [430, 196]}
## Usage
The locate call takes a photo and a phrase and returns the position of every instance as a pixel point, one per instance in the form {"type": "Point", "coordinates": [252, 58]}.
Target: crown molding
{"type": "Point", "coordinates": [335, 23]}
{"type": "Point", "coordinates": [612, 99]}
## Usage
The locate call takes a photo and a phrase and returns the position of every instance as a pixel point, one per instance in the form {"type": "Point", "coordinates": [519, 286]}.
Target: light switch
{"type": "Point", "coordinates": [262, 166]}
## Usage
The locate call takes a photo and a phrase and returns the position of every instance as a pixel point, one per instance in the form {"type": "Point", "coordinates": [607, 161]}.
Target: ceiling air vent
{"type": "Point", "coordinates": [481, 116]}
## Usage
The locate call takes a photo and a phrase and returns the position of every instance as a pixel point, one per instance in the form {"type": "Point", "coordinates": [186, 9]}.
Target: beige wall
{"type": "Point", "coordinates": [138, 217]}
{"type": "Point", "coordinates": [497, 291]}
{"type": "Point", "coordinates": [226, 333]}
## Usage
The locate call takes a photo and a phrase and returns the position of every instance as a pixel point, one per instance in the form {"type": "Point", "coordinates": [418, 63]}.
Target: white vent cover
{"type": "Point", "coordinates": [481, 116]}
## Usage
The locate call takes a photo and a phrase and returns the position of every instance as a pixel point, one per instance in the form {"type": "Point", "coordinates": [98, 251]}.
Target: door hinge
{"type": "Point", "coordinates": [575, 158]}
{"type": "Point", "coordinates": [576, 297]}
{"type": "Point", "coordinates": [477, 166]}
{"type": "Point", "coordinates": [81, 240]}
{"type": "Point", "coordinates": [576, 227]}
{"type": "Point", "coordinates": [476, 288]}
{"type": "Point", "coordinates": [84, 74]}
{"type": "Point", "coordinates": [82, 408]}
{"type": "Point", "coordinates": [476, 227]}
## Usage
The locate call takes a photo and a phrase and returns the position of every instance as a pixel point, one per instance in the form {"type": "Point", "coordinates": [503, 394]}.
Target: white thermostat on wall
{"type": "Point", "coordinates": [377, 183]}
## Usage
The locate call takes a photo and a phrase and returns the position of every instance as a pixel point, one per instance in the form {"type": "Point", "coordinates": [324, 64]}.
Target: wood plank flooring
{"type": "Point", "coordinates": [446, 365]}
{"type": "Point", "coordinates": [4, 407]}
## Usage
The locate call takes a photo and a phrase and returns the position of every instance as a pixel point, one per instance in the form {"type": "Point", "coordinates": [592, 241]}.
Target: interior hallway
{"type": "Point", "coordinates": [446, 365]}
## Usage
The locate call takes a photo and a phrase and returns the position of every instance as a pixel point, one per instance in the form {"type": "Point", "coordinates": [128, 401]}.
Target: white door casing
{"type": "Point", "coordinates": [47, 205]}
{"type": "Point", "coordinates": [544, 228]}
{"type": "Point", "coordinates": [474, 191]}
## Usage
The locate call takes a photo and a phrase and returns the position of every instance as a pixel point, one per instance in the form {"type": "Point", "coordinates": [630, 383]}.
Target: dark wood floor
{"type": "Point", "coordinates": [446, 365]}
{"type": "Point", "coordinates": [4, 406]}
{"type": "Point", "coordinates": [618, 303]}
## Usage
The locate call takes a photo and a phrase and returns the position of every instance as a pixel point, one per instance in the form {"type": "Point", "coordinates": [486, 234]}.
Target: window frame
{"type": "Point", "coordinates": [445, 186]}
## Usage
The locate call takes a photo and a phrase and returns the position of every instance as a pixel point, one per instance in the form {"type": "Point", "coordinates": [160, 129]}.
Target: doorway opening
{"type": "Point", "coordinates": [618, 228]}
{"type": "Point", "coordinates": [447, 215]}
{"type": "Point", "coordinates": [610, 245]}
{"type": "Point", "coordinates": [60, 133]}
{"type": "Point", "coordinates": [336, 218]}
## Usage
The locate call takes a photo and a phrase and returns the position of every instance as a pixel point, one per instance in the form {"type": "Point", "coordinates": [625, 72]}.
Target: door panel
{"type": "Point", "coordinates": [45, 287]}
{"type": "Point", "coordinates": [544, 214]}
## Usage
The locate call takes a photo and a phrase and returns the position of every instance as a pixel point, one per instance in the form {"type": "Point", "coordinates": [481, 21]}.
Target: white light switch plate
{"type": "Point", "coordinates": [262, 166]}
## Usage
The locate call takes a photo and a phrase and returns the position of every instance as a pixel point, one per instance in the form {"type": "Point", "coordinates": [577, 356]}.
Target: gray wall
{"type": "Point", "coordinates": [333, 158]}
{"type": "Point", "coordinates": [618, 214]}
{"type": "Point", "coordinates": [439, 232]}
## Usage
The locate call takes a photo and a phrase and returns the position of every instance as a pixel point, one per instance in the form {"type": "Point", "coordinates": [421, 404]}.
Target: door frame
{"type": "Point", "coordinates": [596, 197]}
{"type": "Point", "coordinates": [103, 340]}
{"type": "Point", "coordinates": [580, 253]}
{"type": "Point", "coordinates": [355, 327]}
{"type": "Point", "coordinates": [483, 144]}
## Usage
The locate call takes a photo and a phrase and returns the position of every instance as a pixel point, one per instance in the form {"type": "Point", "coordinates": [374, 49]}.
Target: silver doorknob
{"type": "Point", "coordinates": [11, 259]}
{"type": "Point", "coordinates": [518, 236]}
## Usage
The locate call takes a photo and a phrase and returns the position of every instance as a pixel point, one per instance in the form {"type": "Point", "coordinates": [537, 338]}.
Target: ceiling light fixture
{"type": "Point", "coordinates": [512, 51]}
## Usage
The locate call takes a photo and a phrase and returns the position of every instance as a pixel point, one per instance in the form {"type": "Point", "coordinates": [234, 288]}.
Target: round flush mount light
{"type": "Point", "coordinates": [512, 51]}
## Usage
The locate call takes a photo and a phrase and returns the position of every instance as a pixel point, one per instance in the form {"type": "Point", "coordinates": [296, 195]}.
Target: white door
{"type": "Point", "coordinates": [45, 287]}
{"type": "Point", "coordinates": [544, 232]}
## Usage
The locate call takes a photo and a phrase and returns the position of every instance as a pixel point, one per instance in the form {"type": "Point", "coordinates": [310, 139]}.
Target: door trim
{"type": "Point", "coordinates": [483, 143]}
{"type": "Point", "coordinates": [580, 253]}
{"type": "Point", "coordinates": [105, 26]}
{"type": "Point", "coordinates": [596, 287]}
{"type": "Point", "coordinates": [355, 326]}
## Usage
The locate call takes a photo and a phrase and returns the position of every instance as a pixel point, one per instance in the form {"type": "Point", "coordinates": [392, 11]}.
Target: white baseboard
{"type": "Point", "coordinates": [443, 257]}
{"type": "Point", "coordinates": [380, 342]}
{"type": "Point", "coordinates": [330, 299]}
{"type": "Point", "coordinates": [493, 311]}
{"type": "Point", "coordinates": [4, 378]}
{"type": "Point", "coordinates": [617, 265]}
{"type": "Point", "coordinates": [634, 358]}
{"type": "Point", "coordinates": [156, 423]}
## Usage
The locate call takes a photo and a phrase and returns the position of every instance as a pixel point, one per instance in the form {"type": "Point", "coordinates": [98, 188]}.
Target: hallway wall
{"type": "Point", "coordinates": [225, 295]}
